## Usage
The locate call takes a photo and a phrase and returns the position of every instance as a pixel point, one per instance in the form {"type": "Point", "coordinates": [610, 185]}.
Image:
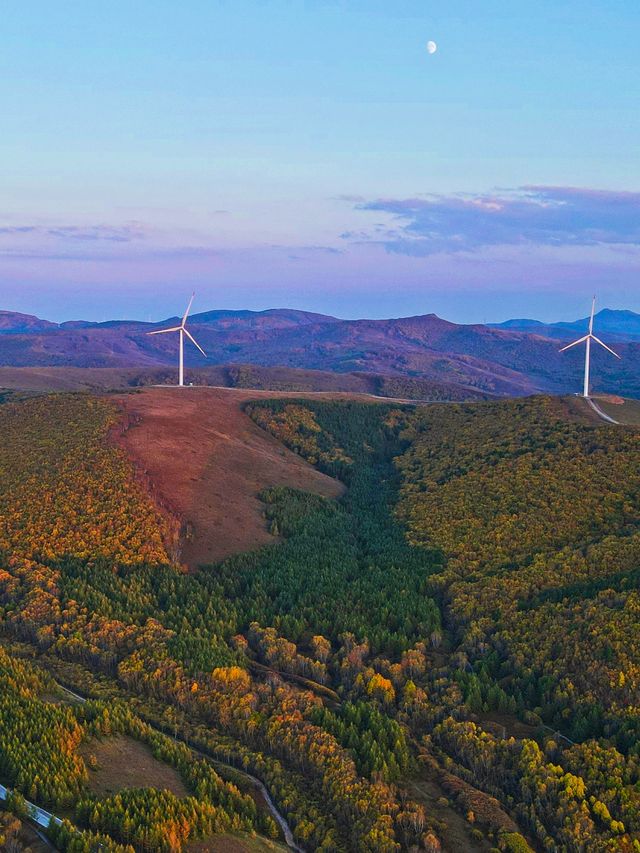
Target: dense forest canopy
{"type": "Point", "coordinates": [540, 519]}
{"type": "Point", "coordinates": [476, 583]}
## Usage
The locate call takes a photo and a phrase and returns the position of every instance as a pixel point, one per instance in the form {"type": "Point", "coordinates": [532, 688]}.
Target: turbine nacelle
{"type": "Point", "coordinates": [586, 339]}
{"type": "Point", "coordinates": [182, 329]}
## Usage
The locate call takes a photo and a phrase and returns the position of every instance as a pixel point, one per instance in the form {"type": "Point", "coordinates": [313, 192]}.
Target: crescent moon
{"type": "Point", "coordinates": [431, 47]}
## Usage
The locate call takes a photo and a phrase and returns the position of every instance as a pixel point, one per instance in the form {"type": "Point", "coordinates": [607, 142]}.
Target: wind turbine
{"type": "Point", "coordinates": [182, 328]}
{"type": "Point", "coordinates": [587, 357]}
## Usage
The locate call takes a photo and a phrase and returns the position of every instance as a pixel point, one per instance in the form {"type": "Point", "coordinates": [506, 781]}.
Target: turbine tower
{"type": "Point", "coordinates": [182, 328]}
{"type": "Point", "coordinates": [587, 356]}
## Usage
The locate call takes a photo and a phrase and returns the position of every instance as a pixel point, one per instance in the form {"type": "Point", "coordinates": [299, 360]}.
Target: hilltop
{"type": "Point", "coordinates": [99, 379]}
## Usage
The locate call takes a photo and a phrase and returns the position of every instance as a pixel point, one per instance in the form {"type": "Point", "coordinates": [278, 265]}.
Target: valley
{"type": "Point", "coordinates": [367, 625]}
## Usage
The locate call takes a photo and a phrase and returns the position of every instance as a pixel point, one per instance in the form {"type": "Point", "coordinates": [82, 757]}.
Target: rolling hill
{"type": "Point", "coordinates": [494, 361]}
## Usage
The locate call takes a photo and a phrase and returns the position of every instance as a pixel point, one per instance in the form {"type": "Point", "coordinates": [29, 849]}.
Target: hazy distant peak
{"type": "Point", "coordinates": [617, 324]}
{"type": "Point", "coordinates": [13, 322]}
{"type": "Point", "coordinates": [270, 316]}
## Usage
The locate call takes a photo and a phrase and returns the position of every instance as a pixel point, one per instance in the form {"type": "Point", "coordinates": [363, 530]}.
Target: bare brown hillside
{"type": "Point", "coordinates": [208, 462]}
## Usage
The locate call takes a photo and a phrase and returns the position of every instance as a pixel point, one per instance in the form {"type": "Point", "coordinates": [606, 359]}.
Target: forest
{"type": "Point", "coordinates": [466, 613]}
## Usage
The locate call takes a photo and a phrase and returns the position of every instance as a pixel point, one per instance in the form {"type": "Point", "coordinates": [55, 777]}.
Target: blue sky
{"type": "Point", "coordinates": [312, 154]}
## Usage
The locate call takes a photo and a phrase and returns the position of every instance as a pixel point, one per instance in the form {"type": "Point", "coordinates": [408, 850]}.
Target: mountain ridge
{"type": "Point", "coordinates": [492, 359]}
{"type": "Point", "coordinates": [15, 321]}
{"type": "Point", "coordinates": [618, 324]}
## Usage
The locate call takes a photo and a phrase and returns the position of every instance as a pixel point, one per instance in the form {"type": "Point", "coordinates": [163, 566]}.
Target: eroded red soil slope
{"type": "Point", "coordinates": [207, 461]}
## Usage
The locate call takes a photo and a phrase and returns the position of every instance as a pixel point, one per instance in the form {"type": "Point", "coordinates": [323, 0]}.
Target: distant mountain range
{"type": "Point", "coordinates": [514, 358]}
{"type": "Point", "coordinates": [616, 325]}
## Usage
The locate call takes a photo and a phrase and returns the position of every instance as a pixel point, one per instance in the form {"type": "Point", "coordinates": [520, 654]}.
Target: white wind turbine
{"type": "Point", "coordinates": [587, 357]}
{"type": "Point", "coordinates": [182, 328]}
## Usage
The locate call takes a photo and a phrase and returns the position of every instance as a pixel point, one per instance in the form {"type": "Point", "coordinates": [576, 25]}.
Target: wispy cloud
{"type": "Point", "coordinates": [84, 233]}
{"type": "Point", "coordinates": [528, 216]}
{"type": "Point", "coordinates": [39, 250]}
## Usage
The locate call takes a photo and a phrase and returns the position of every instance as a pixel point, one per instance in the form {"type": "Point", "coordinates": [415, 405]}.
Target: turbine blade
{"type": "Point", "coordinates": [186, 313]}
{"type": "Point", "coordinates": [597, 340]}
{"type": "Point", "coordinates": [593, 309]}
{"type": "Point", "coordinates": [164, 331]}
{"type": "Point", "coordinates": [575, 343]}
{"type": "Point", "coordinates": [194, 341]}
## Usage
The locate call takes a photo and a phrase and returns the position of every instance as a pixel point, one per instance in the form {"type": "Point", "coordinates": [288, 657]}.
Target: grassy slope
{"type": "Point", "coordinates": [625, 411]}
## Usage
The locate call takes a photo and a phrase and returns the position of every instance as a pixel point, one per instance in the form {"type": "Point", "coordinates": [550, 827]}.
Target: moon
{"type": "Point", "coordinates": [431, 47]}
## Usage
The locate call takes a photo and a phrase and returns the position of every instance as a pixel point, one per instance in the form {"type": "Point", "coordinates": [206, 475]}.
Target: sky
{"type": "Point", "coordinates": [314, 155]}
